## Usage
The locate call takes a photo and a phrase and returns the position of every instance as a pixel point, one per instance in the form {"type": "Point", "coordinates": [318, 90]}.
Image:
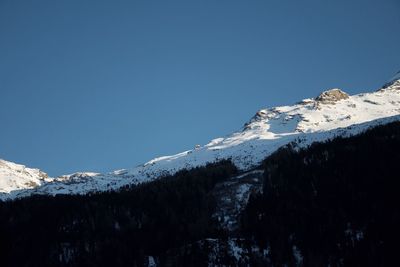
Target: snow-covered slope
{"type": "Point", "coordinates": [331, 114]}
{"type": "Point", "coordinates": [394, 82]}
{"type": "Point", "coordinates": [16, 177]}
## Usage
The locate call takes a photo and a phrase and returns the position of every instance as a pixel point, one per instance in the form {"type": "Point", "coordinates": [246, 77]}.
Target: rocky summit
{"type": "Point", "coordinates": [332, 96]}
{"type": "Point", "coordinates": [331, 114]}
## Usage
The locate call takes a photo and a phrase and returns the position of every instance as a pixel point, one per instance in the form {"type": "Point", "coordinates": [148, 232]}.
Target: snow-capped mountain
{"type": "Point", "coordinates": [330, 114]}
{"type": "Point", "coordinates": [18, 177]}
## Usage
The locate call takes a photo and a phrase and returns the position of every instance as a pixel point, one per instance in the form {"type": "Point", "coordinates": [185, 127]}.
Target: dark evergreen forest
{"type": "Point", "coordinates": [114, 228]}
{"type": "Point", "coordinates": [337, 202]}
{"type": "Point", "coordinates": [333, 204]}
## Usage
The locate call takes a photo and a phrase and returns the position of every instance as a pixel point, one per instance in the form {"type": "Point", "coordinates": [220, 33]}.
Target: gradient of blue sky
{"type": "Point", "coordinates": [103, 85]}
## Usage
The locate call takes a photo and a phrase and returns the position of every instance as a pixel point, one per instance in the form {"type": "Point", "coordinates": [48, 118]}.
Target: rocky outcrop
{"type": "Point", "coordinates": [331, 96]}
{"type": "Point", "coordinates": [232, 197]}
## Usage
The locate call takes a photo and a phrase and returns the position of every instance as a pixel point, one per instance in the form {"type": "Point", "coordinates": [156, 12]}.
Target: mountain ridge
{"type": "Point", "coordinates": [330, 114]}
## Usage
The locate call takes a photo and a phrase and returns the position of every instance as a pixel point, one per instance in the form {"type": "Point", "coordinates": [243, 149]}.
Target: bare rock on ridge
{"type": "Point", "coordinates": [331, 96]}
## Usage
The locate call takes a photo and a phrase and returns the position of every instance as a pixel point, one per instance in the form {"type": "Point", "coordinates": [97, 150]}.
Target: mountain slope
{"type": "Point", "coordinates": [333, 203]}
{"type": "Point", "coordinates": [15, 176]}
{"type": "Point", "coordinates": [330, 114]}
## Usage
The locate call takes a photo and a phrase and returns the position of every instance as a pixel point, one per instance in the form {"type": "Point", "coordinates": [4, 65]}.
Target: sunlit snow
{"type": "Point", "coordinates": [304, 123]}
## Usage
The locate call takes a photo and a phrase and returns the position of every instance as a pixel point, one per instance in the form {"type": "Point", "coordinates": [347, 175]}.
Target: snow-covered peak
{"type": "Point", "coordinates": [17, 177]}
{"type": "Point", "coordinates": [330, 114]}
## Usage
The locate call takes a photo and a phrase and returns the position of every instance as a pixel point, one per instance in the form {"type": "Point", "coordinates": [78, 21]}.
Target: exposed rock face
{"type": "Point", "coordinates": [331, 96]}
{"type": "Point", "coordinates": [232, 197]}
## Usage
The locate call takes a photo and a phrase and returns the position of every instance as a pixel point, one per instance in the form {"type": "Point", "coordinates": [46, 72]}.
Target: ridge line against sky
{"type": "Point", "coordinates": [105, 85]}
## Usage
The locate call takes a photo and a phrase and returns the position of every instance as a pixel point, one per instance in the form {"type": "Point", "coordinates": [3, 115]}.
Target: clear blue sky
{"type": "Point", "coordinates": [103, 85]}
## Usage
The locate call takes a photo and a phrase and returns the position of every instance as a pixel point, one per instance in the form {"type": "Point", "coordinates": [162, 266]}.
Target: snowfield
{"type": "Point", "coordinates": [15, 176]}
{"type": "Point", "coordinates": [333, 113]}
